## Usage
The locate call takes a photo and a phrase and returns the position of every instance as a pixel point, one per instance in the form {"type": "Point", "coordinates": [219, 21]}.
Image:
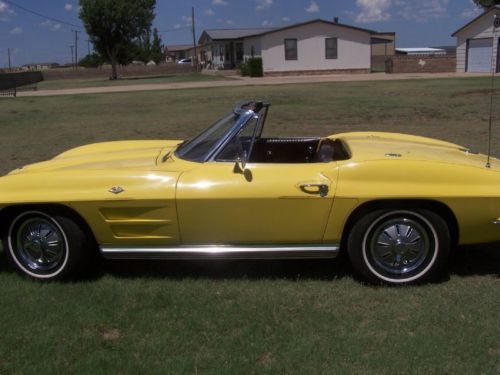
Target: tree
{"type": "Point", "coordinates": [113, 25]}
{"type": "Point", "coordinates": [156, 51]}
{"type": "Point", "coordinates": [145, 50]}
{"type": "Point", "coordinates": [91, 61]}
{"type": "Point", "coordinates": [486, 3]}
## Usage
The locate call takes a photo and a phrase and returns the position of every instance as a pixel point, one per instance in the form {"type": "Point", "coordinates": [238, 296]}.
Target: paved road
{"type": "Point", "coordinates": [246, 81]}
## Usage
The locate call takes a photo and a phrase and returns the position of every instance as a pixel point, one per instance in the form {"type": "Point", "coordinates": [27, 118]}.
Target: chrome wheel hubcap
{"type": "Point", "coordinates": [399, 246]}
{"type": "Point", "coordinates": [40, 244]}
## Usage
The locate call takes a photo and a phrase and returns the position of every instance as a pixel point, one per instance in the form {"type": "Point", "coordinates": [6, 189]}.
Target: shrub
{"type": "Point", "coordinates": [244, 69]}
{"type": "Point", "coordinates": [254, 65]}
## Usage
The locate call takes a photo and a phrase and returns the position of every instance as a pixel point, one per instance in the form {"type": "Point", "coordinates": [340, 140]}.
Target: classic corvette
{"type": "Point", "coordinates": [396, 204]}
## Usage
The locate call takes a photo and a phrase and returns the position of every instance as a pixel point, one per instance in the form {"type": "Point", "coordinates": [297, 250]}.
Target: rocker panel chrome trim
{"type": "Point", "coordinates": [325, 251]}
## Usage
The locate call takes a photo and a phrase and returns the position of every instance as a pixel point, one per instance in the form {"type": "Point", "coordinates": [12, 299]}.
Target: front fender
{"type": "Point", "coordinates": [141, 207]}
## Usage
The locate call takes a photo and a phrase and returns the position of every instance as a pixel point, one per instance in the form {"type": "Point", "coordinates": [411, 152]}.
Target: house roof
{"type": "Point", "coordinates": [421, 50]}
{"type": "Point", "coordinates": [178, 47]}
{"type": "Point", "coordinates": [221, 34]}
{"type": "Point", "coordinates": [486, 12]}
{"type": "Point", "coordinates": [315, 21]}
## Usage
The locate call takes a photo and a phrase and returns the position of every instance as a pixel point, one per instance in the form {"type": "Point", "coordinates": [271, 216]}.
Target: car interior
{"type": "Point", "coordinates": [286, 150]}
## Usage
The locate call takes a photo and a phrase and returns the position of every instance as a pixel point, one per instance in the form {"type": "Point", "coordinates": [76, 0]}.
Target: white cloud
{"type": "Point", "coordinates": [5, 11]}
{"type": "Point", "coordinates": [424, 11]}
{"type": "Point", "coordinates": [267, 23]}
{"type": "Point", "coordinates": [373, 10]}
{"type": "Point", "coordinates": [220, 2]}
{"type": "Point", "coordinates": [286, 19]}
{"type": "Point", "coordinates": [263, 4]}
{"type": "Point", "coordinates": [313, 7]}
{"type": "Point", "coordinates": [16, 30]}
{"type": "Point", "coordinates": [227, 22]}
{"type": "Point", "coordinates": [177, 26]}
{"type": "Point", "coordinates": [472, 11]}
{"type": "Point", "coordinates": [209, 12]}
{"type": "Point", "coordinates": [51, 25]}
{"type": "Point", "coordinates": [382, 10]}
{"type": "Point", "coordinates": [188, 21]}
{"type": "Point", "coordinates": [68, 7]}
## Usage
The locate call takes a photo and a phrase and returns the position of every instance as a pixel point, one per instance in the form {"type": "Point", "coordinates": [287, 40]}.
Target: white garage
{"type": "Point", "coordinates": [479, 55]}
{"type": "Point", "coordinates": [477, 44]}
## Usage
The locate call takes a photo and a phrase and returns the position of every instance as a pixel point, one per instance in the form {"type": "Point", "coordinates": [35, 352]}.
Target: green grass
{"type": "Point", "coordinates": [105, 82]}
{"type": "Point", "coordinates": [251, 317]}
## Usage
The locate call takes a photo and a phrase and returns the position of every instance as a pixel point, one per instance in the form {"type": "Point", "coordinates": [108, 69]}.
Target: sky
{"type": "Point", "coordinates": [36, 38]}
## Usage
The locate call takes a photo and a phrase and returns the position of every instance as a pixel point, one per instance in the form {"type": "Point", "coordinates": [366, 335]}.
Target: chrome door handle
{"type": "Point", "coordinates": [321, 189]}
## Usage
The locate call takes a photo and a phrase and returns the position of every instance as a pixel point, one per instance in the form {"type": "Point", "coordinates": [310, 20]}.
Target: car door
{"type": "Point", "coordinates": [218, 203]}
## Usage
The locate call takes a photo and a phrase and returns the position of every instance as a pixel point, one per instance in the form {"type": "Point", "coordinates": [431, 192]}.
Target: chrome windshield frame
{"type": "Point", "coordinates": [245, 111]}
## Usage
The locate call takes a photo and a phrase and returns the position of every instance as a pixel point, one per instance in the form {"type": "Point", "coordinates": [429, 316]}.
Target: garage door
{"type": "Point", "coordinates": [479, 55]}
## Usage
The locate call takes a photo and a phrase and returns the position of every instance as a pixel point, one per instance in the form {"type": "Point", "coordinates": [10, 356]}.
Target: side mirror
{"type": "Point", "coordinates": [241, 163]}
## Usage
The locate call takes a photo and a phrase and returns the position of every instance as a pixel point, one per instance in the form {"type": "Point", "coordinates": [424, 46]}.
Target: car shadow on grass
{"type": "Point", "coordinates": [476, 260]}
{"type": "Point", "coordinates": [479, 260]}
{"type": "Point", "coordinates": [316, 269]}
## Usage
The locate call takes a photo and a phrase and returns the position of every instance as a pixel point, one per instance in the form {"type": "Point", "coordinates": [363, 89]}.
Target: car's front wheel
{"type": "Point", "coordinates": [46, 244]}
{"type": "Point", "coordinates": [399, 246]}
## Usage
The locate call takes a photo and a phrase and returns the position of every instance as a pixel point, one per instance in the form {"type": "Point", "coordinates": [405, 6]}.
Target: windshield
{"type": "Point", "coordinates": [197, 148]}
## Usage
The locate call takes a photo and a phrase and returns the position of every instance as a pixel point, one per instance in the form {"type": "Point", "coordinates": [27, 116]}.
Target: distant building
{"type": "Point", "coordinates": [312, 46]}
{"type": "Point", "coordinates": [477, 44]}
{"type": "Point", "coordinates": [450, 50]}
{"type": "Point", "coordinates": [225, 48]}
{"type": "Point", "coordinates": [383, 46]}
{"type": "Point", "coordinates": [177, 52]}
{"type": "Point", "coordinates": [40, 66]}
{"type": "Point", "coordinates": [420, 51]}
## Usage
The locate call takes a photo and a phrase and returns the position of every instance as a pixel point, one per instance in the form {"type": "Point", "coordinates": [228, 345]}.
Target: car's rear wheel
{"type": "Point", "coordinates": [399, 246]}
{"type": "Point", "coordinates": [46, 244]}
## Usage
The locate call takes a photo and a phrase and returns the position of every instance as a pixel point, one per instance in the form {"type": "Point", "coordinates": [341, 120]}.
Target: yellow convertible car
{"type": "Point", "coordinates": [396, 204]}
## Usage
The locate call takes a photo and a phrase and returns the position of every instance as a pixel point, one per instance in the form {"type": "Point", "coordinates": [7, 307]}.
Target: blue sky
{"type": "Point", "coordinates": [417, 23]}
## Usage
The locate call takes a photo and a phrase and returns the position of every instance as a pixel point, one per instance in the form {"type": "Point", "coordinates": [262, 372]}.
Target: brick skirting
{"type": "Point", "coordinates": [315, 72]}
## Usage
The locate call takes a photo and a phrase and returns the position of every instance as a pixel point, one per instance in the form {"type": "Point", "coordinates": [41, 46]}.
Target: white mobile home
{"type": "Point", "coordinates": [313, 46]}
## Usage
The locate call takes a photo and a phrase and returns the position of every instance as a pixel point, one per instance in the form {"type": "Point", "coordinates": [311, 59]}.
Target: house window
{"type": "Point", "coordinates": [331, 48]}
{"type": "Point", "coordinates": [290, 49]}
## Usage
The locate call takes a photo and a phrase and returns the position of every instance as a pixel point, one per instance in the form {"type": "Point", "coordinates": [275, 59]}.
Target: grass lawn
{"type": "Point", "coordinates": [251, 317]}
{"type": "Point", "coordinates": [104, 82]}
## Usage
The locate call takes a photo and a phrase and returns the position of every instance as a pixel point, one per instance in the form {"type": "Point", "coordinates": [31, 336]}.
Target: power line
{"type": "Point", "coordinates": [39, 14]}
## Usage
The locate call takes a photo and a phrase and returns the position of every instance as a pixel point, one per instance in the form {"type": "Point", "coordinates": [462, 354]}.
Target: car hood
{"type": "Point", "coordinates": [365, 146]}
{"type": "Point", "coordinates": [106, 155]}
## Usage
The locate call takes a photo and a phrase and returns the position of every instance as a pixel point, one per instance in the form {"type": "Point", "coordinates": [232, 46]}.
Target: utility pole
{"type": "Point", "coordinates": [8, 53]}
{"type": "Point", "coordinates": [76, 47]}
{"type": "Point", "coordinates": [72, 56]}
{"type": "Point", "coordinates": [88, 46]}
{"type": "Point", "coordinates": [195, 57]}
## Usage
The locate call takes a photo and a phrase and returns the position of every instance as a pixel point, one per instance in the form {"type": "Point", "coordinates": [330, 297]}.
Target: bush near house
{"type": "Point", "coordinates": [252, 67]}
{"type": "Point", "coordinates": [243, 68]}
